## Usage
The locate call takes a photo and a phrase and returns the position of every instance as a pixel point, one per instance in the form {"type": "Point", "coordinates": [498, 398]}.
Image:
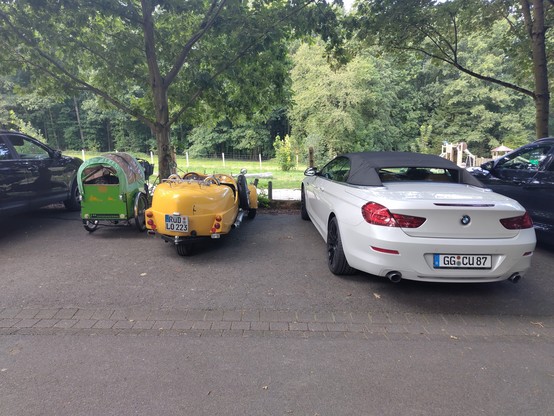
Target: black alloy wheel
{"type": "Point", "coordinates": [73, 203]}
{"type": "Point", "coordinates": [303, 211]}
{"type": "Point", "coordinates": [336, 259]}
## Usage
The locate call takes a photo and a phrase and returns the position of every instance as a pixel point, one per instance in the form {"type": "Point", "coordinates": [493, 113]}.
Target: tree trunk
{"type": "Point", "coordinates": [542, 101]}
{"type": "Point", "coordinates": [166, 163]}
{"type": "Point", "coordinates": [109, 134]}
{"type": "Point", "coordinates": [79, 123]}
{"type": "Point", "coordinates": [162, 126]}
{"type": "Point", "coordinates": [534, 19]}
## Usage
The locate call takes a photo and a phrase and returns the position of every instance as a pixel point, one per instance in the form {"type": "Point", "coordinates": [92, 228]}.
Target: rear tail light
{"type": "Point", "coordinates": [377, 214]}
{"type": "Point", "coordinates": [217, 224]}
{"type": "Point", "coordinates": [150, 222]}
{"type": "Point", "coordinates": [517, 223]}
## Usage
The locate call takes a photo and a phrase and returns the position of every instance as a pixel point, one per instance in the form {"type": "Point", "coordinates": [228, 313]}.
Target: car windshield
{"type": "Point", "coordinates": [529, 159]}
{"type": "Point", "coordinates": [407, 174]}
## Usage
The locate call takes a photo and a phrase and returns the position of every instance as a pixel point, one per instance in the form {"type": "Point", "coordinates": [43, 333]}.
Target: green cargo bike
{"type": "Point", "coordinates": [114, 190]}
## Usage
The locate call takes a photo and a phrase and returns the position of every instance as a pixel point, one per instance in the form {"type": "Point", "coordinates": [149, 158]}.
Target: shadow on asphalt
{"type": "Point", "coordinates": [531, 296]}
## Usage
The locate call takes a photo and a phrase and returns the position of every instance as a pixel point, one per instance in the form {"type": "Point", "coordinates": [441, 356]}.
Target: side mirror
{"type": "Point", "coordinates": [487, 165]}
{"type": "Point", "coordinates": [56, 154]}
{"type": "Point", "coordinates": [310, 172]}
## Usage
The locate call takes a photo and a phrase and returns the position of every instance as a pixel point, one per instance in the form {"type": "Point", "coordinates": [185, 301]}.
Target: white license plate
{"type": "Point", "coordinates": [178, 223]}
{"type": "Point", "coordinates": [462, 261]}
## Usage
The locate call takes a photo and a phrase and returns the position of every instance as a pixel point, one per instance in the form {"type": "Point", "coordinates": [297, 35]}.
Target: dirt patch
{"type": "Point", "coordinates": [281, 207]}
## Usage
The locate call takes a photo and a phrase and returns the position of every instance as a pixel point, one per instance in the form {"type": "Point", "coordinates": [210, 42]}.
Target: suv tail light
{"type": "Point", "coordinates": [377, 214]}
{"type": "Point", "coordinates": [518, 223]}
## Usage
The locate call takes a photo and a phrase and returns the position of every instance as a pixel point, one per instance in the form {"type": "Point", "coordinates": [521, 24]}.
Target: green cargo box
{"type": "Point", "coordinates": [104, 202]}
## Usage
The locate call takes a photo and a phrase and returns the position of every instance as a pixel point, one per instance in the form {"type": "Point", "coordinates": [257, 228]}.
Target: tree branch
{"type": "Point", "coordinates": [468, 71]}
{"type": "Point", "coordinates": [437, 42]}
{"type": "Point", "coordinates": [207, 23]}
{"type": "Point", "coordinates": [149, 43]}
{"type": "Point", "coordinates": [66, 73]}
{"type": "Point", "coordinates": [237, 57]}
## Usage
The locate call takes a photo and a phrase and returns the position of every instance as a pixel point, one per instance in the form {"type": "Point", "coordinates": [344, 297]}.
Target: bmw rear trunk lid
{"type": "Point", "coordinates": [451, 210]}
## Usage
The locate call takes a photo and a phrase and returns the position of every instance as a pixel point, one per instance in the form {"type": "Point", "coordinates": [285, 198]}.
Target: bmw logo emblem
{"type": "Point", "coordinates": [465, 220]}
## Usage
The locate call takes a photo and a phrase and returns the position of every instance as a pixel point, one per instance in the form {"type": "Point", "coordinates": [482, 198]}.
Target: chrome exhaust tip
{"type": "Point", "coordinates": [514, 278]}
{"type": "Point", "coordinates": [394, 277]}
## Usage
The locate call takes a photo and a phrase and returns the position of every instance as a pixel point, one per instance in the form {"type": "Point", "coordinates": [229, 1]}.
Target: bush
{"type": "Point", "coordinates": [284, 153]}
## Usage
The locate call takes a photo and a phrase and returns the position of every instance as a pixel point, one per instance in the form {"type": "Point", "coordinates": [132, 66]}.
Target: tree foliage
{"type": "Point", "coordinates": [378, 102]}
{"type": "Point", "coordinates": [159, 61]}
{"type": "Point", "coordinates": [246, 79]}
{"type": "Point", "coordinates": [354, 107]}
{"type": "Point", "coordinates": [443, 30]}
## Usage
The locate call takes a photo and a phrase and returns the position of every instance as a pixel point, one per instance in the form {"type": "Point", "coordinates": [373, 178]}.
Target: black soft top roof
{"type": "Point", "coordinates": [364, 166]}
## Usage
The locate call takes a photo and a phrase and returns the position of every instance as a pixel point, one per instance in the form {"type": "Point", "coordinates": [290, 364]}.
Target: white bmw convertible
{"type": "Point", "coordinates": [413, 216]}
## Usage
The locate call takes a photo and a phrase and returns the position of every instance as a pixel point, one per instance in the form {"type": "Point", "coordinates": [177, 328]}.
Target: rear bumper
{"type": "Point", "coordinates": [415, 255]}
{"type": "Point", "coordinates": [176, 240]}
{"type": "Point", "coordinates": [198, 225]}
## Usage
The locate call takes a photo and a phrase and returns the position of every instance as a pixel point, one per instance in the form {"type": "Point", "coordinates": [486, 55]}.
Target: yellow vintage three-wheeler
{"type": "Point", "coordinates": [185, 209]}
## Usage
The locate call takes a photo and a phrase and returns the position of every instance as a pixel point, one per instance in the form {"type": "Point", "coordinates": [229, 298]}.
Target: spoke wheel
{"type": "Point", "coordinates": [174, 177]}
{"type": "Point", "coordinates": [244, 202]}
{"type": "Point", "coordinates": [141, 203]}
{"type": "Point", "coordinates": [191, 175]}
{"type": "Point", "coordinates": [90, 226]}
{"type": "Point", "coordinates": [336, 259]}
{"type": "Point", "coordinates": [211, 179]}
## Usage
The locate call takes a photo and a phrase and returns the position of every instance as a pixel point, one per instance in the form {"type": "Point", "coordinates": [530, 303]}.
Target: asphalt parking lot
{"type": "Point", "coordinates": [117, 323]}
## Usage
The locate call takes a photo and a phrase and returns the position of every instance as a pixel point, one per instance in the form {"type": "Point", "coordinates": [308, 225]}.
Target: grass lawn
{"type": "Point", "coordinates": [279, 178]}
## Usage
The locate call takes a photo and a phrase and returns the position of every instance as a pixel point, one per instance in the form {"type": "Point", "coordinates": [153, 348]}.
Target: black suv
{"type": "Point", "coordinates": [526, 175]}
{"type": "Point", "coordinates": [33, 175]}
